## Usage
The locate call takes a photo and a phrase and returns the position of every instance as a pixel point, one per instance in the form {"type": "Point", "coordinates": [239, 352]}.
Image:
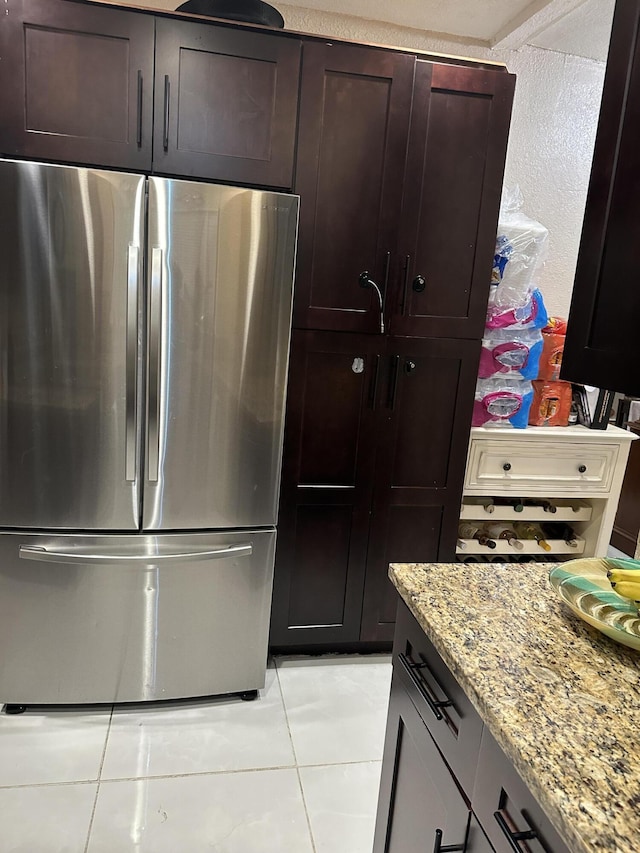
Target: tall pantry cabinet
{"type": "Point", "coordinates": [400, 163]}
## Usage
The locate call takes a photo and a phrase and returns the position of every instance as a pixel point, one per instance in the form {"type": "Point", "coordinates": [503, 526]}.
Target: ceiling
{"type": "Point", "coordinates": [580, 27]}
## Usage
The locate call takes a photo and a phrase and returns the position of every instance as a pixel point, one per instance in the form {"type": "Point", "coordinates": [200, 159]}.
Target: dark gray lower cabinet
{"type": "Point", "coordinates": [507, 810]}
{"type": "Point", "coordinates": [446, 784]}
{"type": "Point", "coordinates": [425, 804]}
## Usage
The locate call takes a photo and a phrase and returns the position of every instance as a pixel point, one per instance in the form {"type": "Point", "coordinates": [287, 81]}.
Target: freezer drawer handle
{"type": "Point", "coordinates": [32, 552]}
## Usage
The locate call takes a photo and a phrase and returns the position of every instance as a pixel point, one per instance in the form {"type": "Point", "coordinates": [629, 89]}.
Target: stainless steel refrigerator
{"type": "Point", "coordinates": [144, 336]}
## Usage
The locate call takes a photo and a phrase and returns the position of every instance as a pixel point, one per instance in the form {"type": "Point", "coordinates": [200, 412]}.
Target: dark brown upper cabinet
{"type": "Point", "coordinates": [452, 187]}
{"type": "Point", "coordinates": [414, 204]}
{"type": "Point", "coordinates": [226, 103]}
{"type": "Point", "coordinates": [355, 104]}
{"type": "Point", "coordinates": [77, 83]}
{"type": "Point", "coordinates": [604, 318]}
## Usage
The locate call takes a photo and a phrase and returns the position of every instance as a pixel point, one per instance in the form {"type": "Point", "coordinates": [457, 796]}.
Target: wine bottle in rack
{"type": "Point", "coordinates": [560, 530]}
{"type": "Point", "coordinates": [503, 531]}
{"type": "Point", "coordinates": [516, 504]}
{"type": "Point", "coordinates": [466, 530]}
{"type": "Point", "coordinates": [527, 530]}
{"type": "Point", "coordinates": [546, 505]}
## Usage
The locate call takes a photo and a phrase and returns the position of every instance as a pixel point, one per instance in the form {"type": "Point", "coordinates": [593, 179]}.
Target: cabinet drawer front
{"type": "Point", "coordinates": [540, 466]}
{"type": "Point", "coordinates": [508, 812]}
{"type": "Point", "coordinates": [450, 717]}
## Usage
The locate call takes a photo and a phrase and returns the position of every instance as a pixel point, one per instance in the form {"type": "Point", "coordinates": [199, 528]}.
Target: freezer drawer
{"type": "Point", "coordinates": [133, 617]}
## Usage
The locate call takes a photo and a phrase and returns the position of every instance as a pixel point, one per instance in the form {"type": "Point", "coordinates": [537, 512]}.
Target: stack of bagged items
{"type": "Point", "coordinates": [513, 342]}
{"type": "Point", "coordinates": [552, 398]}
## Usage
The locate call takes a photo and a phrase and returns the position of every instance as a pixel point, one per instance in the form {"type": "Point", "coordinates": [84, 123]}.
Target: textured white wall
{"type": "Point", "coordinates": [552, 133]}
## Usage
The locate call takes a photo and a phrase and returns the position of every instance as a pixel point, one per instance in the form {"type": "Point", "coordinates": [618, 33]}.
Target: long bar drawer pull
{"type": "Point", "coordinates": [449, 848]}
{"type": "Point", "coordinates": [514, 838]}
{"type": "Point", "coordinates": [32, 552]}
{"type": "Point", "coordinates": [432, 702]}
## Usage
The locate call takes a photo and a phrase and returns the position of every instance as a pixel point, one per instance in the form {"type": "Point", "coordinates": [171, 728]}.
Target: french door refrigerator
{"type": "Point", "coordinates": [144, 336]}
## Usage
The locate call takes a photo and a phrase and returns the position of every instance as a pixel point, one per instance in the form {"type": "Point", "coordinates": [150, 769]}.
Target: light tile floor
{"type": "Point", "coordinates": [296, 771]}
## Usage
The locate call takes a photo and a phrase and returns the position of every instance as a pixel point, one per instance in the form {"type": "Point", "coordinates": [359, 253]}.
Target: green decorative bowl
{"type": "Point", "coordinates": [583, 585]}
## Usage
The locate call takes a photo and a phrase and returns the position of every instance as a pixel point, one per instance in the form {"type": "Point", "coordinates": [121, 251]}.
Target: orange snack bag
{"type": "Point", "coordinates": [551, 403]}
{"type": "Point", "coordinates": [551, 358]}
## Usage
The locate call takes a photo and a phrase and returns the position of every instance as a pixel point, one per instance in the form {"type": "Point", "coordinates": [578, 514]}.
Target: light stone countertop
{"type": "Point", "coordinates": [561, 699]}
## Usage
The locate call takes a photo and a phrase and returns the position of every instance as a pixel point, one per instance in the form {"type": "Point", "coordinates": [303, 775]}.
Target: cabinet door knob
{"type": "Point", "coordinates": [419, 283]}
{"type": "Point", "coordinates": [506, 466]}
{"type": "Point", "coordinates": [582, 469]}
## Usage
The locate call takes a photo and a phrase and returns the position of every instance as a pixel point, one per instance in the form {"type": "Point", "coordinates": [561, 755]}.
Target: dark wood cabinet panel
{"type": "Point", "coordinates": [627, 521]}
{"type": "Point", "coordinates": [477, 841]}
{"type": "Point", "coordinates": [225, 103]}
{"type": "Point", "coordinates": [457, 149]}
{"type": "Point", "coordinates": [325, 500]}
{"type": "Point", "coordinates": [419, 798]}
{"type": "Point", "coordinates": [456, 727]}
{"type": "Point", "coordinates": [375, 448]}
{"type": "Point", "coordinates": [354, 115]}
{"type": "Point", "coordinates": [504, 805]}
{"type": "Point", "coordinates": [77, 83]}
{"type": "Point", "coordinates": [605, 306]}
{"type": "Point", "coordinates": [423, 434]}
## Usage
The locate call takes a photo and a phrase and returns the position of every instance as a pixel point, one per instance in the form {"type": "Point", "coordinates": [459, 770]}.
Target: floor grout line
{"type": "Point", "coordinates": [306, 810]}
{"type": "Point", "coordinates": [95, 799]}
{"type": "Point", "coordinates": [295, 758]}
{"type": "Point", "coordinates": [186, 775]}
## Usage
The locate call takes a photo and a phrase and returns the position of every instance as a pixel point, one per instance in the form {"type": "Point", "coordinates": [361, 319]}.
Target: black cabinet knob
{"type": "Point", "coordinates": [582, 469]}
{"type": "Point", "coordinates": [506, 466]}
{"type": "Point", "coordinates": [419, 284]}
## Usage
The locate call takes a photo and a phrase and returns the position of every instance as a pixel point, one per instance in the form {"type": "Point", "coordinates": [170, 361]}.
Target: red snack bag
{"type": "Point", "coordinates": [551, 403]}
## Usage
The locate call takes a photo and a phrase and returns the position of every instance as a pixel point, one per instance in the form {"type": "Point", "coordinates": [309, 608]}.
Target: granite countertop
{"type": "Point", "coordinates": [561, 699]}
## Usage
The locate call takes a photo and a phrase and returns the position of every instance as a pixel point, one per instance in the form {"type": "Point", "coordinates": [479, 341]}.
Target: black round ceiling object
{"type": "Point", "coordinates": [248, 11]}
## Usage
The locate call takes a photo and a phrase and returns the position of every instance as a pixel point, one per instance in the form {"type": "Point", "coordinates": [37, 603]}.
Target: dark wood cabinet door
{"type": "Point", "coordinates": [424, 419]}
{"type": "Point", "coordinates": [452, 187]}
{"type": "Point", "coordinates": [627, 521]}
{"type": "Point", "coordinates": [76, 83]}
{"type": "Point", "coordinates": [418, 798]}
{"type": "Point", "coordinates": [505, 807]}
{"type": "Point", "coordinates": [327, 475]}
{"type": "Point", "coordinates": [600, 347]}
{"type": "Point", "coordinates": [477, 841]}
{"type": "Point", "coordinates": [226, 104]}
{"type": "Point", "coordinates": [354, 116]}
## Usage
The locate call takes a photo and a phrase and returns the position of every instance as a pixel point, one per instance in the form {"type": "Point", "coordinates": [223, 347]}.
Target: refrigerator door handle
{"type": "Point", "coordinates": [155, 365]}
{"type": "Point", "coordinates": [31, 552]}
{"type": "Point", "coordinates": [133, 267]}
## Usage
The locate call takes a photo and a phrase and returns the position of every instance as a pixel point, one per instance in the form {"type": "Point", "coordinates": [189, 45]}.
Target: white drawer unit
{"type": "Point", "coordinates": [536, 467]}
{"type": "Point", "coordinates": [572, 475]}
